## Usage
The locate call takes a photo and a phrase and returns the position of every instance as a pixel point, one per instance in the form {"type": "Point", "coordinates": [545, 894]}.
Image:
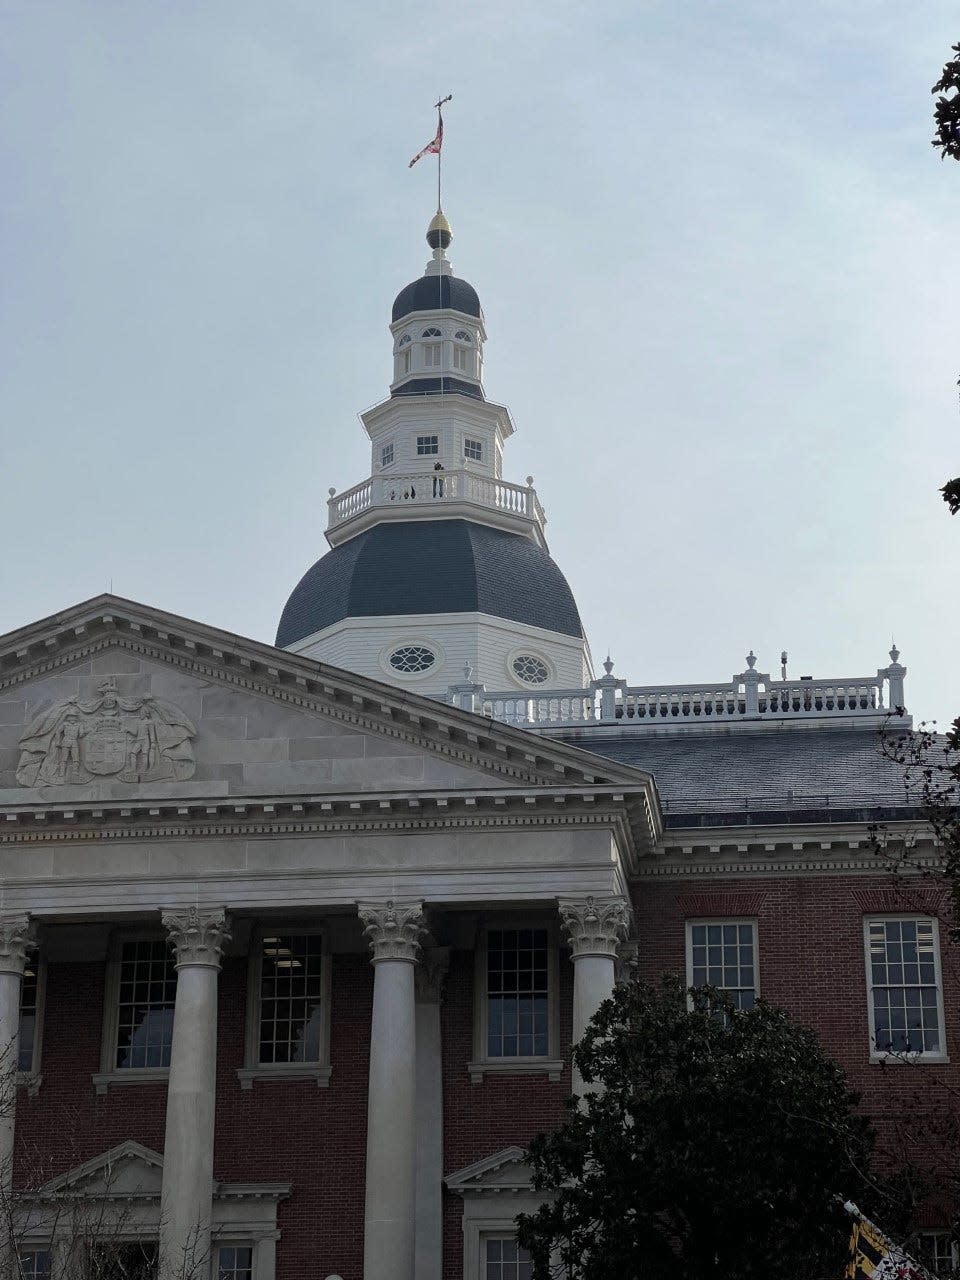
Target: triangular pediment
{"type": "Point", "coordinates": [505, 1170]}
{"type": "Point", "coordinates": [111, 698]}
{"type": "Point", "coordinates": [129, 1169]}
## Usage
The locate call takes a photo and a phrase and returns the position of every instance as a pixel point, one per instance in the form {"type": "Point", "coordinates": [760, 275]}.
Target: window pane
{"type": "Point", "coordinates": [904, 995]}
{"type": "Point", "coordinates": [517, 993]}
{"type": "Point", "coordinates": [34, 1263]}
{"type": "Point", "coordinates": [722, 954]}
{"type": "Point", "coordinates": [505, 1260]}
{"type": "Point", "coordinates": [148, 986]}
{"type": "Point", "coordinates": [291, 998]}
{"type": "Point", "coordinates": [235, 1263]}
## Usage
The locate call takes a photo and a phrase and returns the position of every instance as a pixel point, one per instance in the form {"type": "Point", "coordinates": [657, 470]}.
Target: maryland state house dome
{"type": "Point", "coordinates": [437, 564]}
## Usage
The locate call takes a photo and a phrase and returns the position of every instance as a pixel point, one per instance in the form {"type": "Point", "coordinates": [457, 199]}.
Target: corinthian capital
{"type": "Point", "coordinates": [393, 929]}
{"type": "Point", "coordinates": [17, 937]}
{"type": "Point", "coordinates": [594, 926]}
{"type": "Point", "coordinates": [198, 936]}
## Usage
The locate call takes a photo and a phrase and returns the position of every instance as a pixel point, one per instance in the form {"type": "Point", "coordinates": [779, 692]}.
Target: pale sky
{"type": "Point", "coordinates": [717, 256]}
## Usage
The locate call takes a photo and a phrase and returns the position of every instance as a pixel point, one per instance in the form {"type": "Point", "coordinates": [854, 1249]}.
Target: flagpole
{"type": "Point", "coordinates": [439, 106]}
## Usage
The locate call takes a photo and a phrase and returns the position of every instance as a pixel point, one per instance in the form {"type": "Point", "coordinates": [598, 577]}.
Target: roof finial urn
{"type": "Point", "coordinates": [439, 233]}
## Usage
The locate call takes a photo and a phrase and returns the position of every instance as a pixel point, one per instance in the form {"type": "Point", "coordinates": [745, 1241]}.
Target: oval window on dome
{"type": "Point", "coordinates": [530, 669]}
{"type": "Point", "coordinates": [410, 659]}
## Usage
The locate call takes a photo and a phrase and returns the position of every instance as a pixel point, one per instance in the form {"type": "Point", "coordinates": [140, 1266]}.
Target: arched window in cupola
{"type": "Point", "coordinates": [463, 358]}
{"type": "Point", "coordinates": [403, 355]}
{"type": "Point", "coordinates": [432, 350]}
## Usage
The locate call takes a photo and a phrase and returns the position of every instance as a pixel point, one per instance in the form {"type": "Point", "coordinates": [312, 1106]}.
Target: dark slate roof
{"type": "Point", "coordinates": [435, 293]}
{"type": "Point", "coordinates": [433, 387]}
{"type": "Point", "coordinates": [797, 774]}
{"type": "Point", "coordinates": [435, 566]}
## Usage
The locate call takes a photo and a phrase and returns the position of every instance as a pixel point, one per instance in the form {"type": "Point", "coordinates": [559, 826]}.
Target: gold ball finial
{"type": "Point", "coordinates": [439, 234]}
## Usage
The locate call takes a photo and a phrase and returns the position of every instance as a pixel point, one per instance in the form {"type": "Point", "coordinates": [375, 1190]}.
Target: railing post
{"type": "Point", "coordinates": [894, 675]}
{"type": "Point", "coordinates": [608, 686]}
{"type": "Point", "coordinates": [467, 695]}
{"type": "Point", "coordinates": [751, 680]}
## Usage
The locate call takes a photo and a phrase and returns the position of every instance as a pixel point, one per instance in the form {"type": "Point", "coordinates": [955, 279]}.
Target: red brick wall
{"type": "Point", "coordinates": [481, 1119]}
{"type": "Point", "coordinates": [285, 1131]}
{"type": "Point", "coordinates": [810, 961]}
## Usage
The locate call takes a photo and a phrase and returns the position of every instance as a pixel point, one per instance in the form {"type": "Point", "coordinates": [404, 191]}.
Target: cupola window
{"type": "Point", "coordinates": [530, 669]}
{"type": "Point", "coordinates": [462, 336]}
{"type": "Point", "coordinates": [473, 449]}
{"type": "Point", "coordinates": [386, 455]}
{"type": "Point", "coordinates": [463, 357]}
{"type": "Point", "coordinates": [427, 445]}
{"type": "Point", "coordinates": [432, 333]}
{"type": "Point", "coordinates": [432, 350]}
{"type": "Point", "coordinates": [411, 659]}
{"type": "Point", "coordinates": [403, 356]}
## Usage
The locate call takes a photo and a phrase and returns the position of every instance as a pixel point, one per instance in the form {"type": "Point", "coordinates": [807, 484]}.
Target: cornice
{"type": "Point", "coordinates": [286, 816]}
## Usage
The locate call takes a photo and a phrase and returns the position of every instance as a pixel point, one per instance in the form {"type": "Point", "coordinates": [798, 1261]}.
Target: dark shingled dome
{"type": "Point", "coordinates": [432, 293]}
{"type": "Point", "coordinates": [436, 566]}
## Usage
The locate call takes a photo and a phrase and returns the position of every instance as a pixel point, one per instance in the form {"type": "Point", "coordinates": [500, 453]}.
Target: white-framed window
{"type": "Point", "coordinates": [403, 363]}
{"type": "Point", "coordinates": [404, 341]}
{"type": "Point", "coordinates": [939, 1251]}
{"type": "Point", "coordinates": [530, 669]}
{"type": "Point", "coordinates": [427, 445]}
{"type": "Point", "coordinates": [144, 994]}
{"type": "Point", "coordinates": [431, 354]}
{"type": "Point", "coordinates": [432, 332]}
{"type": "Point", "coordinates": [138, 1003]}
{"type": "Point", "coordinates": [904, 987]}
{"type": "Point", "coordinates": [32, 991]}
{"type": "Point", "coordinates": [473, 449]}
{"type": "Point", "coordinates": [288, 1009]}
{"type": "Point", "coordinates": [504, 1258]}
{"type": "Point", "coordinates": [463, 359]}
{"type": "Point", "coordinates": [34, 1264]}
{"type": "Point", "coordinates": [723, 953]}
{"type": "Point", "coordinates": [235, 1262]}
{"type": "Point", "coordinates": [412, 659]}
{"type": "Point", "coordinates": [123, 1259]}
{"type": "Point", "coordinates": [386, 454]}
{"type": "Point", "coordinates": [516, 1005]}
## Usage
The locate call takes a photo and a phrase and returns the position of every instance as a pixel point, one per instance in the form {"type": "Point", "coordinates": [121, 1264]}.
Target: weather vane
{"type": "Point", "coordinates": [434, 148]}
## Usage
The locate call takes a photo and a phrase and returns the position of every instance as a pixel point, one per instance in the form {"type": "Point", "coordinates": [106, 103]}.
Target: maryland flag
{"type": "Point", "coordinates": [873, 1255]}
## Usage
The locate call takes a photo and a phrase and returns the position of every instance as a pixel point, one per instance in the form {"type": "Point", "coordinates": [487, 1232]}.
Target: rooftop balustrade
{"type": "Point", "coordinates": [749, 697]}
{"type": "Point", "coordinates": [412, 491]}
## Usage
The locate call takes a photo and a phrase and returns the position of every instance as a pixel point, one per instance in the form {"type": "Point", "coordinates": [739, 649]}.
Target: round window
{"type": "Point", "coordinates": [530, 669]}
{"type": "Point", "coordinates": [412, 658]}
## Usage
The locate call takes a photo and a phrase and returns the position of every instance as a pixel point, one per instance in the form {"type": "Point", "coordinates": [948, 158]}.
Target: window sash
{"type": "Point", "coordinates": [143, 1005]}
{"type": "Point", "coordinates": [518, 993]}
{"type": "Point", "coordinates": [235, 1262]}
{"type": "Point", "coordinates": [473, 449]}
{"type": "Point", "coordinates": [35, 1264]}
{"type": "Point", "coordinates": [431, 354]}
{"type": "Point", "coordinates": [386, 455]}
{"type": "Point", "coordinates": [505, 1259]}
{"type": "Point", "coordinates": [722, 953]}
{"type": "Point", "coordinates": [291, 1004]}
{"type": "Point", "coordinates": [427, 445]}
{"type": "Point", "coordinates": [904, 987]}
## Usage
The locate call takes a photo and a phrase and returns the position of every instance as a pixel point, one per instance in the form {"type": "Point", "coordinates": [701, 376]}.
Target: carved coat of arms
{"type": "Point", "coordinates": [141, 739]}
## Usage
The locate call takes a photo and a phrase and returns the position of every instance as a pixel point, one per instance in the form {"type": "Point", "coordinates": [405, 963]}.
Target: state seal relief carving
{"type": "Point", "coordinates": [138, 739]}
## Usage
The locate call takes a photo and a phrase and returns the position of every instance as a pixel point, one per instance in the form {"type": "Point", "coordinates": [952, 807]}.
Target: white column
{"type": "Point", "coordinates": [594, 928]}
{"type": "Point", "coordinates": [186, 1197]}
{"type": "Point", "coordinates": [17, 938]}
{"type": "Point", "coordinates": [429, 978]}
{"type": "Point", "coordinates": [393, 930]}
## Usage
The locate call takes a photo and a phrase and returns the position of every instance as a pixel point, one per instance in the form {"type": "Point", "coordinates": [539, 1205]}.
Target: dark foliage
{"type": "Point", "coordinates": [947, 111]}
{"type": "Point", "coordinates": [715, 1147]}
{"type": "Point", "coordinates": [951, 495]}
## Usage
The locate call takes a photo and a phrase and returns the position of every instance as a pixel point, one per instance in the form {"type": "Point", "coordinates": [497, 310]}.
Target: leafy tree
{"type": "Point", "coordinates": [947, 110]}
{"type": "Point", "coordinates": [716, 1144]}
